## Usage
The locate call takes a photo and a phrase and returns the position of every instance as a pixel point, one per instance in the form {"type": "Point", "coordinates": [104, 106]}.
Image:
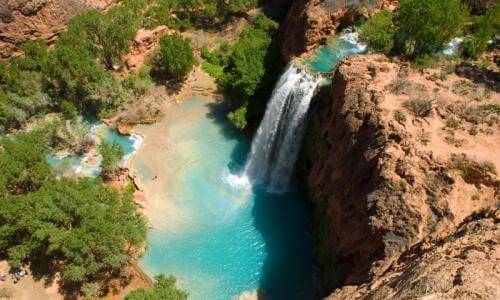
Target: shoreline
{"type": "Point", "coordinates": [153, 182]}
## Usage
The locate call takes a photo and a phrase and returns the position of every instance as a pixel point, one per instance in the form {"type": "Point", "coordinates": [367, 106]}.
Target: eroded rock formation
{"type": "Point", "coordinates": [25, 20]}
{"type": "Point", "coordinates": [464, 265]}
{"type": "Point", "coordinates": [382, 179]}
{"type": "Point", "coordinates": [310, 22]}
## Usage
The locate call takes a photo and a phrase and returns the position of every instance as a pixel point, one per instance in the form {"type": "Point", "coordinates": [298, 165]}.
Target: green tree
{"type": "Point", "coordinates": [111, 153]}
{"type": "Point", "coordinates": [484, 29]}
{"type": "Point", "coordinates": [23, 164]}
{"type": "Point", "coordinates": [247, 69]}
{"type": "Point", "coordinates": [82, 225]}
{"type": "Point", "coordinates": [425, 25]}
{"type": "Point", "coordinates": [378, 32]}
{"type": "Point", "coordinates": [175, 58]}
{"type": "Point", "coordinates": [165, 289]}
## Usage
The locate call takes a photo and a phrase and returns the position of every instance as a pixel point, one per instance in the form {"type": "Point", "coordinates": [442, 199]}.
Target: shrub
{"type": "Point", "coordinates": [425, 25]}
{"type": "Point", "coordinates": [419, 107]}
{"type": "Point", "coordinates": [238, 117]}
{"type": "Point", "coordinates": [378, 32]}
{"type": "Point", "coordinates": [453, 123]}
{"type": "Point", "coordinates": [175, 58]}
{"type": "Point", "coordinates": [111, 153]}
{"type": "Point", "coordinates": [165, 288]}
{"type": "Point", "coordinates": [484, 28]}
{"type": "Point", "coordinates": [400, 117]}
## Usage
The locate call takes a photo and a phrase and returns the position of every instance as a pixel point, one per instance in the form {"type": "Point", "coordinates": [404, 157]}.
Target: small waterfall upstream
{"type": "Point", "coordinates": [276, 144]}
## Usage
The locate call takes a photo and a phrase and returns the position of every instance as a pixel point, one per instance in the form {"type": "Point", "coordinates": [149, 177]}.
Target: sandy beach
{"type": "Point", "coordinates": [154, 161]}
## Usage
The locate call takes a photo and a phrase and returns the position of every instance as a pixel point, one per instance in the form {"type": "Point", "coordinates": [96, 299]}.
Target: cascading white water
{"type": "Point", "coordinates": [276, 144]}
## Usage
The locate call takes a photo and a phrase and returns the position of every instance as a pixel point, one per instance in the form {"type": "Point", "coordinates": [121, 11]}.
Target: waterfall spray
{"type": "Point", "coordinates": [276, 144]}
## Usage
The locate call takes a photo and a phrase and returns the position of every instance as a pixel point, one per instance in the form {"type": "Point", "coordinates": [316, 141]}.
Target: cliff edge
{"type": "Point", "coordinates": [394, 157]}
{"type": "Point", "coordinates": [26, 20]}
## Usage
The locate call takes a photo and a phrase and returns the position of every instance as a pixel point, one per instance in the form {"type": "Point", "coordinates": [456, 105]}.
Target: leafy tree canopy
{"type": "Point", "coordinates": [164, 289]}
{"type": "Point", "coordinates": [425, 25]}
{"type": "Point", "coordinates": [175, 58]}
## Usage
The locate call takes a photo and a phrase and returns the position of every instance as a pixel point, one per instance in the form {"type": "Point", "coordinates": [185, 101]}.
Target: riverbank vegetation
{"type": "Point", "coordinates": [85, 230]}
{"type": "Point", "coordinates": [165, 288]}
{"type": "Point", "coordinates": [247, 70]}
{"type": "Point", "coordinates": [419, 29]}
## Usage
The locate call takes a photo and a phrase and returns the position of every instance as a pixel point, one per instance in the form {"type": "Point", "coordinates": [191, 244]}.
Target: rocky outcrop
{"type": "Point", "coordinates": [26, 20]}
{"type": "Point", "coordinates": [377, 189]}
{"type": "Point", "coordinates": [144, 42]}
{"type": "Point", "coordinates": [310, 22]}
{"type": "Point", "coordinates": [464, 265]}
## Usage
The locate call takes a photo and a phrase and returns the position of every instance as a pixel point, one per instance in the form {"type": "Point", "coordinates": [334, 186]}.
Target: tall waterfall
{"type": "Point", "coordinates": [276, 144]}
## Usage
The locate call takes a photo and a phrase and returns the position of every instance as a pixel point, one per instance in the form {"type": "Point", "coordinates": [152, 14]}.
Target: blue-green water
{"type": "Point", "coordinates": [218, 239]}
{"type": "Point", "coordinates": [73, 164]}
{"type": "Point", "coordinates": [337, 48]}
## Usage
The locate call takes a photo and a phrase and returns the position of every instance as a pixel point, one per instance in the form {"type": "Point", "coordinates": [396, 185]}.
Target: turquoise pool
{"type": "Point", "coordinates": [220, 239]}
{"type": "Point", "coordinates": [73, 164]}
{"type": "Point", "coordinates": [337, 48]}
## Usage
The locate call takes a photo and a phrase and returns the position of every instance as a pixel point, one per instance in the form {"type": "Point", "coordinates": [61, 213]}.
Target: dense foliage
{"type": "Point", "coordinates": [484, 28]}
{"type": "Point", "coordinates": [111, 153]}
{"type": "Point", "coordinates": [420, 28]}
{"type": "Point", "coordinates": [424, 26]}
{"type": "Point", "coordinates": [88, 230]}
{"type": "Point", "coordinates": [175, 58]}
{"type": "Point", "coordinates": [378, 32]}
{"type": "Point", "coordinates": [245, 69]}
{"type": "Point", "coordinates": [164, 289]}
{"type": "Point", "coordinates": [193, 12]}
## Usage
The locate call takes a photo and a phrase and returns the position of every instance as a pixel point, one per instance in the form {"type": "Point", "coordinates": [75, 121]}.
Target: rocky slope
{"type": "Point", "coordinates": [394, 157]}
{"type": "Point", "coordinates": [310, 22]}
{"type": "Point", "coordinates": [464, 265]}
{"type": "Point", "coordinates": [25, 20]}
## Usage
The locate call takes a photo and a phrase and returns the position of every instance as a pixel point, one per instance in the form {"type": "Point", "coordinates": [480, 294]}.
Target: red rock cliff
{"type": "Point", "coordinates": [382, 180]}
{"type": "Point", "coordinates": [25, 20]}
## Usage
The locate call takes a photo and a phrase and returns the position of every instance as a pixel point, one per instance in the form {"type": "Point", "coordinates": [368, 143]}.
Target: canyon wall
{"type": "Point", "coordinates": [382, 180]}
{"type": "Point", "coordinates": [26, 20]}
{"type": "Point", "coordinates": [311, 22]}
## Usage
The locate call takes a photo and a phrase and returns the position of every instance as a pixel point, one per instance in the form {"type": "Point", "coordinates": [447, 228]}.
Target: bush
{"type": "Point", "coordinates": [423, 26]}
{"type": "Point", "coordinates": [111, 153]}
{"type": "Point", "coordinates": [165, 288]}
{"type": "Point", "coordinates": [378, 32]}
{"type": "Point", "coordinates": [484, 29]}
{"type": "Point", "coordinates": [400, 117]}
{"type": "Point", "coordinates": [419, 107]}
{"type": "Point", "coordinates": [85, 227]}
{"type": "Point", "coordinates": [250, 69]}
{"type": "Point", "coordinates": [175, 59]}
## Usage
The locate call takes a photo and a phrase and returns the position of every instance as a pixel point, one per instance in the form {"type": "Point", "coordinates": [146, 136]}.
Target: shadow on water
{"type": "Point", "coordinates": [282, 220]}
{"type": "Point", "coordinates": [218, 114]}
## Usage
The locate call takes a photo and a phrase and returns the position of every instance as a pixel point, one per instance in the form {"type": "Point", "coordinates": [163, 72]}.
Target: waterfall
{"type": "Point", "coordinates": [277, 142]}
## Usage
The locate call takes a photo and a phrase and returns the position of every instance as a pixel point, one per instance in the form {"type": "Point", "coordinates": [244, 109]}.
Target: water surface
{"type": "Point", "coordinates": [220, 239]}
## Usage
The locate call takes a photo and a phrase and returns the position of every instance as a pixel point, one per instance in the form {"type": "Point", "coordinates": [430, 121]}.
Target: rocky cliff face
{"type": "Point", "coordinates": [310, 22]}
{"type": "Point", "coordinates": [25, 20]}
{"type": "Point", "coordinates": [464, 265]}
{"type": "Point", "coordinates": [386, 172]}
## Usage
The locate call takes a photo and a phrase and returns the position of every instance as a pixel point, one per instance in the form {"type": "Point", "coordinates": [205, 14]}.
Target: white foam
{"type": "Point", "coordinates": [353, 38]}
{"type": "Point", "coordinates": [452, 47]}
{"type": "Point", "coordinates": [237, 181]}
